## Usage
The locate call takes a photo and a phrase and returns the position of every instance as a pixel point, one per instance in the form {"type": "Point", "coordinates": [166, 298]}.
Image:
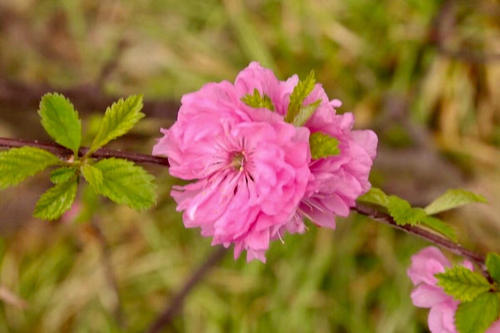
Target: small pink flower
{"type": "Point", "coordinates": [249, 168]}
{"type": "Point", "coordinates": [427, 294]}
{"type": "Point", "coordinates": [336, 181]}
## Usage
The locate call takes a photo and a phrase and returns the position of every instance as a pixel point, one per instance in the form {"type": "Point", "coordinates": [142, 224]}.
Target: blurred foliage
{"type": "Point", "coordinates": [436, 113]}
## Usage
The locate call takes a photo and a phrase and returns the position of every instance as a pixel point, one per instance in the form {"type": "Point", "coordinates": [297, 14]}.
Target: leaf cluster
{"type": "Point", "coordinates": [256, 100]}
{"type": "Point", "coordinates": [480, 298]}
{"type": "Point", "coordinates": [119, 180]}
{"type": "Point", "coordinates": [321, 145]}
{"type": "Point", "coordinates": [403, 213]}
{"type": "Point", "coordinates": [297, 98]}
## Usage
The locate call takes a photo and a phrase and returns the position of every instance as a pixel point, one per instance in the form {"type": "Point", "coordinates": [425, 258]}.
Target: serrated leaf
{"type": "Point", "coordinates": [93, 176]}
{"type": "Point", "coordinates": [55, 201]}
{"type": "Point", "coordinates": [305, 113]}
{"type": "Point", "coordinates": [462, 283]}
{"type": "Point", "coordinates": [60, 120]}
{"type": "Point", "coordinates": [493, 265]}
{"type": "Point", "coordinates": [478, 315]}
{"type": "Point", "coordinates": [17, 164]}
{"type": "Point", "coordinates": [298, 95]}
{"type": "Point", "coordinates": [126, 183]}
{"type": "Point", "coordinates": [258, 101]}
{"type": "Point", "coordinates": [61, 175]}
{"type": "Point", "coordinates": [118, 120]}
{"type": "Point", "coordinates": [403, 213]}
{"type": "Point", "coordinates": [375, 196]}
{"type": "Point", "coordinates": [452, 199]}
{"type": "Point", "coordinates": [440, 226]}
{"type": "Point", "coordinates": [322, 145]}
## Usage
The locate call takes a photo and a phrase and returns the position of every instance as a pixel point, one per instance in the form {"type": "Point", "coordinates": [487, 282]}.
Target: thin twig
{"type": "Point", "coordinates": [422, 233]}
{"type": "Point", "coordinates": [175, 304]}
{"type": "Point", "coordinates": [99, 154]}
{"type": "Point", "coordinates": [109, 272]}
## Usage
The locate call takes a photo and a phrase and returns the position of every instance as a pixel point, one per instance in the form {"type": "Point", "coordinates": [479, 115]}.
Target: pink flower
{"type": "Point", "coordinates": [335, 181]}
{"type": "Point", "coordinates": [427, 294]}
{"type": "Point", "coordinates": [253, 178]}
{"type": "Point", "coordinates": [249, 168]}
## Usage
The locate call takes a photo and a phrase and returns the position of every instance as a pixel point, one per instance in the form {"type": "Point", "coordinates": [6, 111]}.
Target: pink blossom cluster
{"type": "Point", "coordinates": [252, 175]}
{"type": "Point", "coordinates": [427, 294]}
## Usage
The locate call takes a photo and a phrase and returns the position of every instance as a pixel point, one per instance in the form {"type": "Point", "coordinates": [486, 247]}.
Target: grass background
{"type": "Point", "coordinates": [421, 73]}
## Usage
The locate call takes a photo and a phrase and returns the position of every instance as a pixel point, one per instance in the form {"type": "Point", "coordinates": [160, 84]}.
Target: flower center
{"type": "Point", "coordinates": [238, 160]}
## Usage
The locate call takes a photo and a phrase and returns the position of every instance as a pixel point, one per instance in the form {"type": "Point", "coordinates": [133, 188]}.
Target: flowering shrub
{"type": "Point", "coordinates": [261, 156]}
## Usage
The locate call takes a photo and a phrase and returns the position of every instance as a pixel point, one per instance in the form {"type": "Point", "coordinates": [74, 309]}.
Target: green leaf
{"type": "Point", "coordinates": [60, 120]}
{"type": "Point", "coordinates": [93, 176]}
{"type": "Point", "coordinates": [126, 183]}
{"type": "Point", "coordinates": [403, 213]}
{"type": "Point", "coordinates": [452, 199]}
{"type": "Point", "coordinates": [478, 315]}
{"type": "Point", "coordinates": [493, 265]}
{"type": "Point", "coordinates": [440, 226]}
{"type": "Point", "coordinates": [462, 283]}
{"type": "Point", "coordinates": [298, 95]}
{"type": "Point", "coordinates": [118, 120]}
{"type": "Point", "coordinates": [17, 164]}
{"type": "Point", "coordinates": [375, 196]}
{"type": "Point", "coordinates": [305, 113]}
{"type": "Point", "coordinates": [62, 174]}
{"type": "Point", "coordinates": [58, 199]}
{"type": "Point", "coordinates": [258, 101]}
{"type": "Point", "coordinates": [323, 145]}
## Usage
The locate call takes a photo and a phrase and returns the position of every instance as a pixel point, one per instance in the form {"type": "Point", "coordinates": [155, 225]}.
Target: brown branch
{"type": "Point", "coordinates": [175, 304]}
{"type": "Point", "coordinates": [101, 153]}
{"type": "Point", "coordinates": [422, 233]}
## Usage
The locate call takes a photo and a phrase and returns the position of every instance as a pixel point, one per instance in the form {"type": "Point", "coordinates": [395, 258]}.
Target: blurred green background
{"type": "Point", "coordinates": [424, 74]}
